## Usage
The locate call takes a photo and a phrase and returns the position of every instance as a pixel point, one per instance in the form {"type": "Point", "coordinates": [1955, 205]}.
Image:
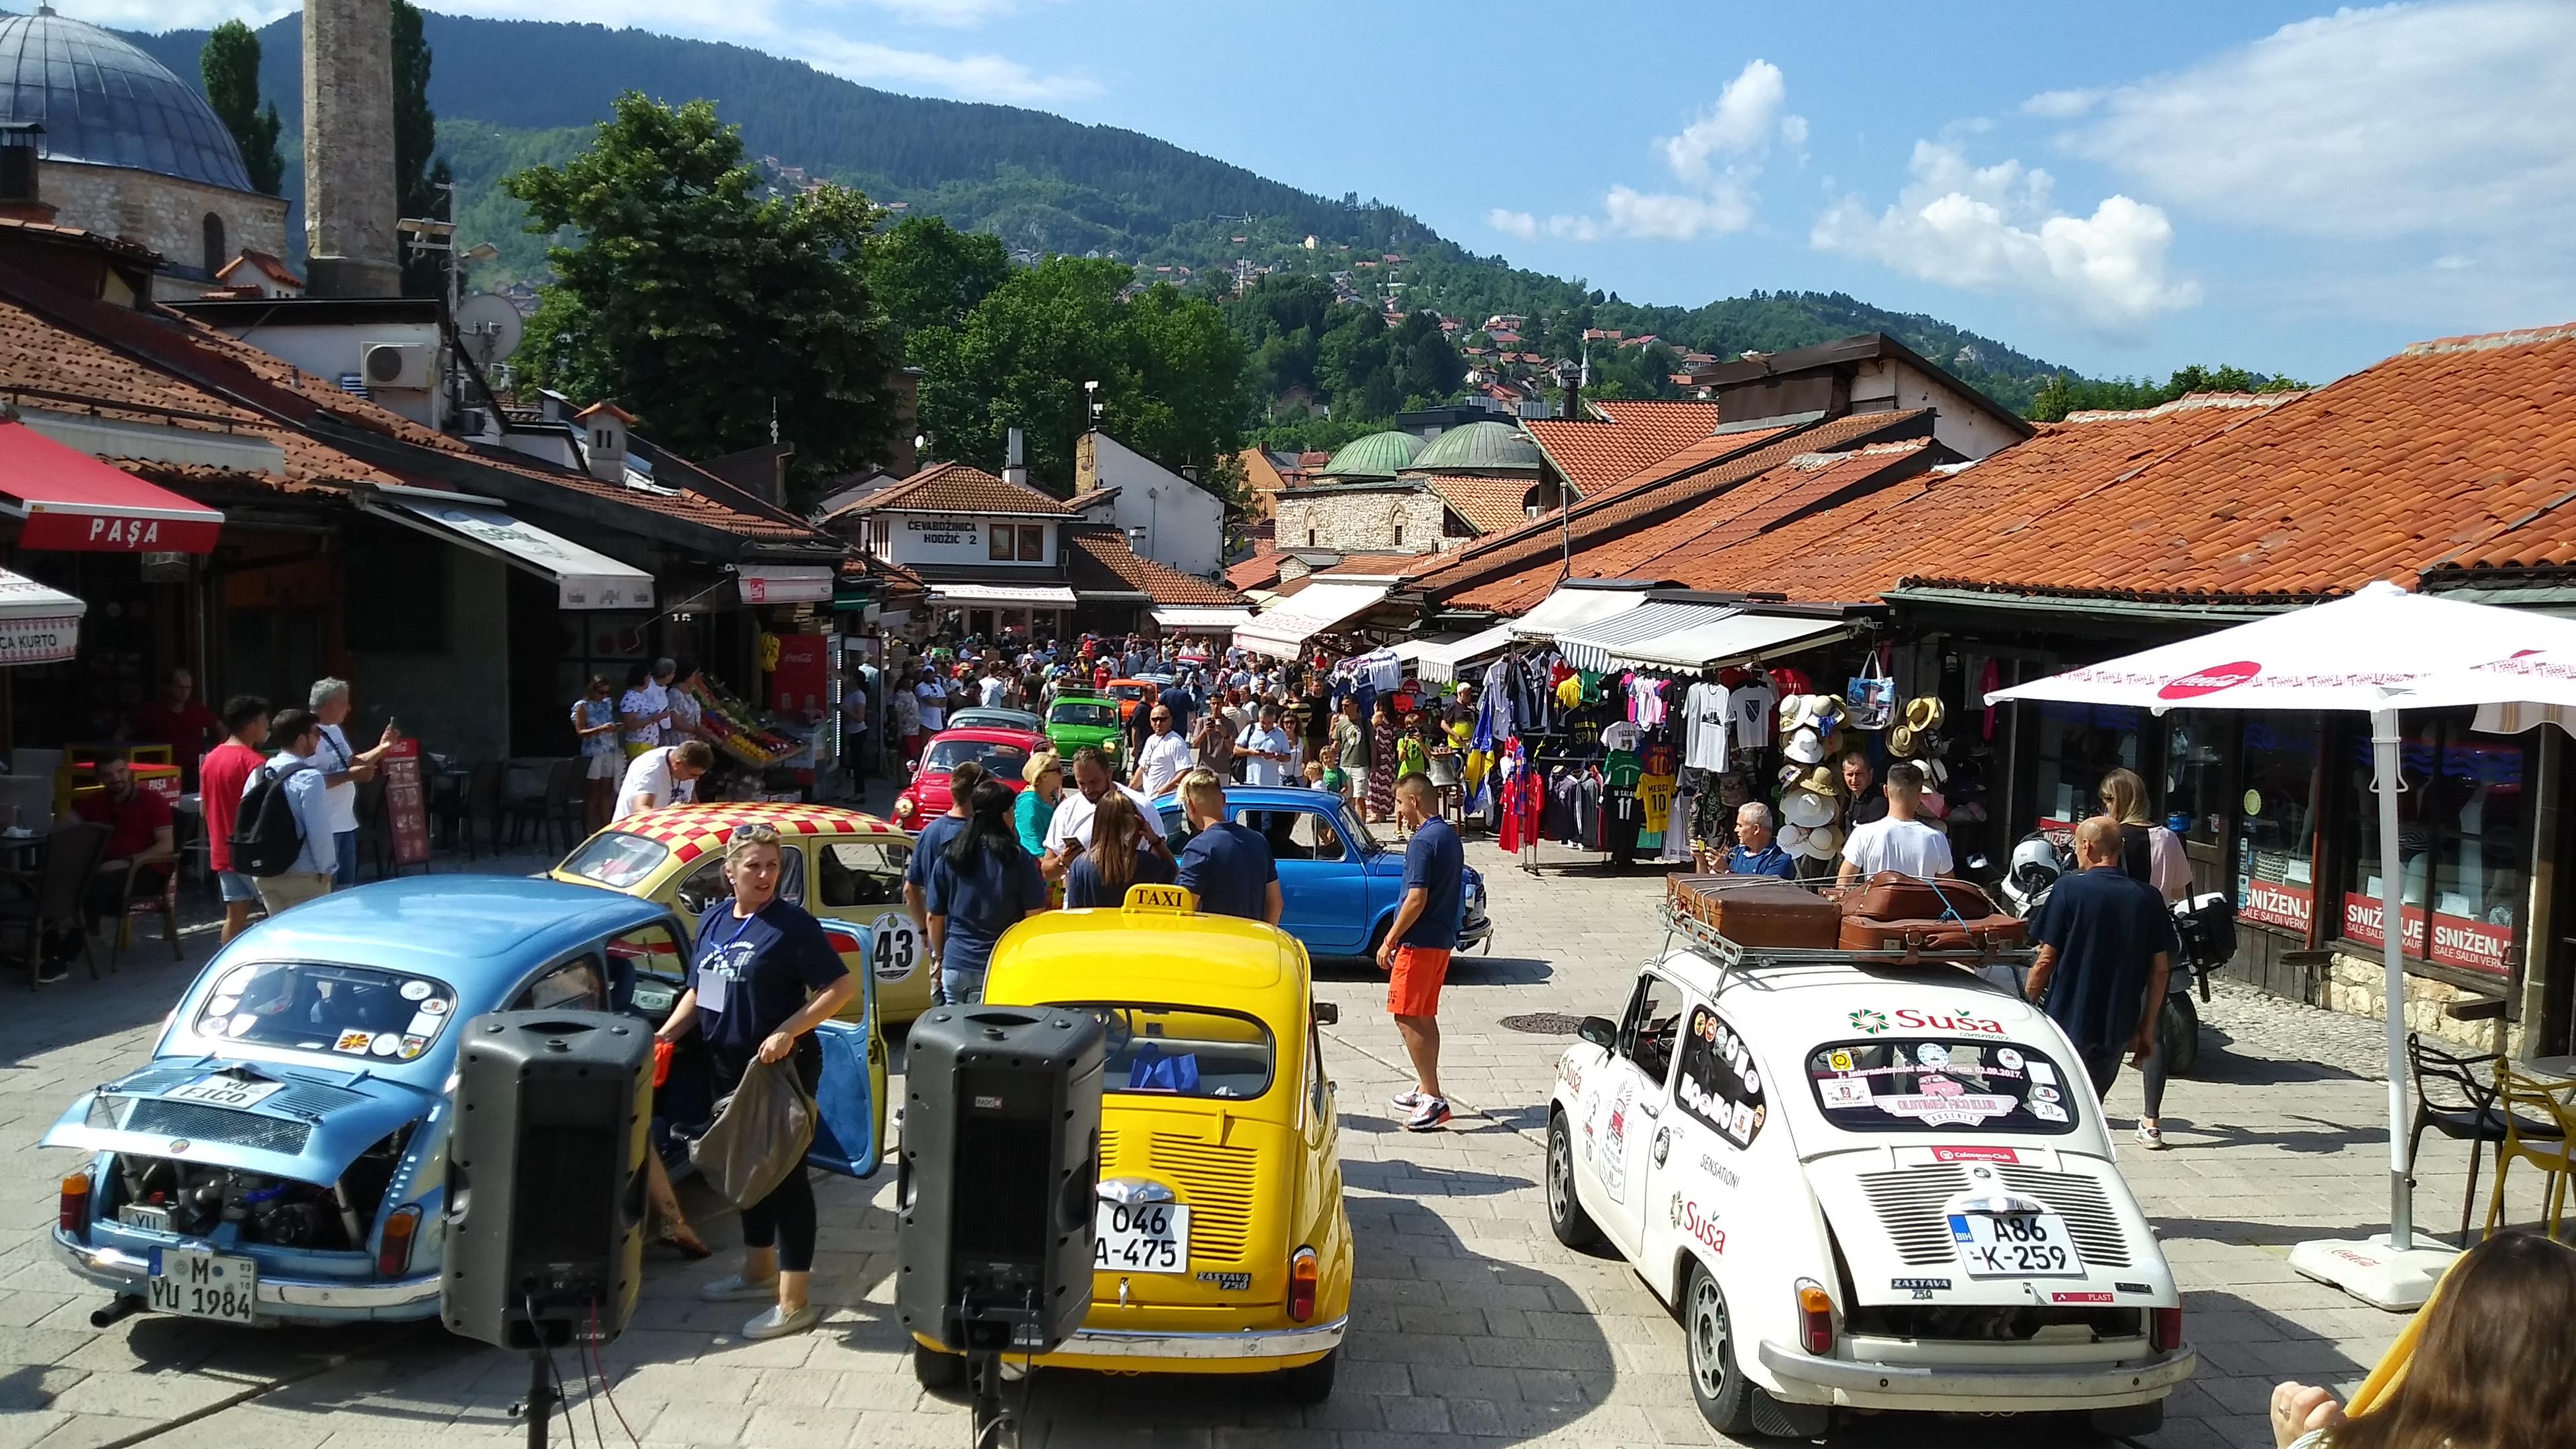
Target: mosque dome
{"type": "Point", "coordinates": [1479, 448]}
{"type": "Point", "coordinates": [1379, 455]}
{"type": "Point", "coordinates": [104, 102]}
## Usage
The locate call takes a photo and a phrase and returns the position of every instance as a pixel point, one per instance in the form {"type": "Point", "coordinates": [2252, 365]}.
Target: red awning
{"type": "Point", "coordinates": [73, 502]}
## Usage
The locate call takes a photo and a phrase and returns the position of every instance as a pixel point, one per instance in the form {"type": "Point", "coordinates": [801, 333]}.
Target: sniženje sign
{"type": "Point", "coordinates": [39, 641]}
{"type": "Point", "coordinates": [2273, 903]}
{"type": "Point", "coordinates": [2471, 945]}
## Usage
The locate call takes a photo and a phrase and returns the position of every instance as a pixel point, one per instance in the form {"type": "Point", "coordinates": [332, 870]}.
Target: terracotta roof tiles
{"type": "Point", "coordinates": [1098, 558]}
{"type": "Point", "coordinates": [1593, 455]}
{"type": "Point", "coordinates": [965, 488]}
{"type": "Point", "coordinates": [1490, 505]}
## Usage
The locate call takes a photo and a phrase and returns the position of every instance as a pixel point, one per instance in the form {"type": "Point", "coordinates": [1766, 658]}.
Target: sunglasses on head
{"type": "Point", "coordinates": [757, 834]}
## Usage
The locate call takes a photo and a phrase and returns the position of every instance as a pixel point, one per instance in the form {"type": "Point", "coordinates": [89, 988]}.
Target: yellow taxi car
{"type": "Point", "coordinates": [844, 866]}
{"type": "Point", "coordinates": [1222, 1244]}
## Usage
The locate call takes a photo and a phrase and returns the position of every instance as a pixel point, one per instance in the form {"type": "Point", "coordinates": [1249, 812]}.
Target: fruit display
{"type": "Point", "coordinates": [737, 730]}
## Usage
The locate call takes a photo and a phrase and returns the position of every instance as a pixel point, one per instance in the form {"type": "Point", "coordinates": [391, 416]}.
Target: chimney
{"type": "Point", "coordinates": [1015, 464]}
{"type": "Point", "coordinates": [349, 200]}
{"type": "Point", "coordinates": [1573, 394]}
{"type": "Point", "coordinates": [603, 440]}
{"type": "Point", "coordinates": [20, 145]}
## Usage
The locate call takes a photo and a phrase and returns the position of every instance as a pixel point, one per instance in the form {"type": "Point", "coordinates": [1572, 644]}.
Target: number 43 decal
{"type": "Point", "coordinates": [894, 948]}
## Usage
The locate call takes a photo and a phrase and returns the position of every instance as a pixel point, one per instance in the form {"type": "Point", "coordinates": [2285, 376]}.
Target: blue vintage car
{"type": "Point", "coordinates": [1338, 884]}
{"type": "Point", "coordinates": [282, 1158]}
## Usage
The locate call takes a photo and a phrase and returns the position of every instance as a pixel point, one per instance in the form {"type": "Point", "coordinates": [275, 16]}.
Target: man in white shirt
{"type": "Point", "coordinates": [662, 776]}
{"type": "Point", "coordinates": [1070, 831]}
{"type": "Point", "coordinates": [996, 689]}
{"type": "Point", "coordinates": [342, 769]}
{"type": "Point", "coordinates": [1264, 749]}
{"type": "Point", "coordinates": [933, 697]}
{"type": "Point", "coordinates": [307, 794]}
{"type": "Point", "coordinates": [1901, 842]}
{"type": "Point", "coordinates": [1164, 756]}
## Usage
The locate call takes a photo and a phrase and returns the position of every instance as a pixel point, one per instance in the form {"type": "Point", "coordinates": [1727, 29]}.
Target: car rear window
{"type": "Point", "coordinates": [1005, 761]}
{"type": "Point", "coordinates": [1942, 1084]}
{"type": "Point", "coordinates": [616, 859]}
{"type": "Point", "coordinates": [1183, 1051]}
{"type": "Point", "coordinates": [314, 1006]}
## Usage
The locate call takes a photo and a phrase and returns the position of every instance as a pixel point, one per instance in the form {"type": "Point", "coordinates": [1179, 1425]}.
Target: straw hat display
{"type": "Point", "coordinates": [1804, 745]}
{"type": "Point", "coordinates": [1808, 808]}
{"type": "Point", "coordinates": [1912, 736]}
{"type": "Point", "coordinates": [1824, 842]}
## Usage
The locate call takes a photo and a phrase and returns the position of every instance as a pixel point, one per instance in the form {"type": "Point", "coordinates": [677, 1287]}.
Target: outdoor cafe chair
{"type": "Point", "coordinates": [54, 890]}
{"type": "Point", "coordinates": [142, 899]}
{"type": "Point", "coordinates": [552, 811]}
{"type": "Point", "coordinates": [2538, 1121]}
{"type": "Point", "coordinates": [2454, 1096]}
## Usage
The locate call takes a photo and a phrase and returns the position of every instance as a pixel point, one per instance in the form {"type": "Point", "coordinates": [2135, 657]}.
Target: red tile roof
{"type": "Point", "coordinates": [965, 488]}
{"type": "Point", "coordinates": [1257, 572]}
{"type": "Point", "coordinates": [1490, 505]}
{"type": "Point", "coordinates": [1692, 550]}
{"type": "Point", "coordinates": [1594, 454]}
{"type": "Point", "coordinates": [1370, 565]}
{"type": "Point", "coordinates": [1697, 456]}
{"type": "Point", "coordinates": [1098, 558]}
{"type": "Point", "coordinates": [1650, 411]}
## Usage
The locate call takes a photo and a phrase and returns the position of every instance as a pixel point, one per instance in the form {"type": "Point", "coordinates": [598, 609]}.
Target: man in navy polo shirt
{"type": "Point", "coordinates": [1756, 851]}
{"type": "Point", "coordinates": [2106, 944]}
{"type": "Point", "coordinates": [1227, 866]}
{"type": "Point", "coordinates": [1415, 955]}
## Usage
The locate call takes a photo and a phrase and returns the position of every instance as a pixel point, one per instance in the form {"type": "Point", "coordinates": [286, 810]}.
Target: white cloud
{"type": "Point", "coordinates": [950, 12]}
{"type": "Point", "coordinates": [970, 77]}
{"type": "Point", "coordinates": [2061, 104]}
{"type": "Point", "coordinates": [2366, 124]}
{"type": "Point", "coordinates": [1997, 230]}
{"type": "Point", "coordinates": [1716, 159]}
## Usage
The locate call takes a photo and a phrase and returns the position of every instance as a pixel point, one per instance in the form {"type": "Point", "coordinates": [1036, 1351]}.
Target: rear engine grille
{"type": "Point", "coordinates": [312, 1099]}
{"type": "Point", "coordinates": [2090, 1218]}
{"type": "Point", "coordinates": [1108, 1152]}
{"type": "Point", "coordinates": [199, 1122]}
{"type": "Point", "coordinates": [1216, 1182]}
{"type": "Point", "coordinates": [1908, 1203]}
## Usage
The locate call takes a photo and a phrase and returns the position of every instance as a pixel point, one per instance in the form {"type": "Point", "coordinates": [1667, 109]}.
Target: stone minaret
{"type": "Point", "coordinates": [349, 198]}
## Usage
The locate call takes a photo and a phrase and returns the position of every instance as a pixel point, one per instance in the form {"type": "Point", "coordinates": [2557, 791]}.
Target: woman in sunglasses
{"type": "Point", "coordinates": [761, 978]}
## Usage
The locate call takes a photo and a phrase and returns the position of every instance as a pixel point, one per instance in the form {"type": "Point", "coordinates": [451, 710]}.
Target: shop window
{"type": "Point", "coordinates": [2276, 822]}
{"type": "Point", "coordinates": [1032, 543]}
{"type": "Point", "coordinates": [997, 543]}
{"type": "Point", "coordinates": [2077, 745]}
{"type": "Point", "coordinates": [2462, 830]}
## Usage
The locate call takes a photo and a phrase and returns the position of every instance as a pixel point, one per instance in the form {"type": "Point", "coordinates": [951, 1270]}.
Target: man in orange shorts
{"type": "Point", "coordinates": [1415, 955]}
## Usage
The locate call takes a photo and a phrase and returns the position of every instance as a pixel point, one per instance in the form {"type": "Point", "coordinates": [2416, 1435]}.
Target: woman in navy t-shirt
{"type": "Point", "coordinates": [762, 976]}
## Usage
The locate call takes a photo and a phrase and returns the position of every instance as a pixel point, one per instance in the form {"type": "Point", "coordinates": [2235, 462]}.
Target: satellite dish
{"type": "Point", "coordinates": [488, 328]}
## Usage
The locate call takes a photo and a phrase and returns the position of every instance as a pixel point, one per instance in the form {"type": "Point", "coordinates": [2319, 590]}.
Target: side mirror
{"type": "Point", "coordinates": [1601, 1031]}
{"type": "Point", "coordinates": [1327, 1014]}
{"type": "Point", "coordinates": [912, 767]}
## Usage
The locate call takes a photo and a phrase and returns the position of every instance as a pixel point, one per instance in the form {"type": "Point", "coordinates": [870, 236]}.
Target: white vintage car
{"type": "Point", "coordinates": [1862, 1184]}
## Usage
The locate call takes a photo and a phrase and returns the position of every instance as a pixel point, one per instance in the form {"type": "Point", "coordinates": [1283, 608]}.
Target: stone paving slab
{"type": "Point", "coordinates": [1470, 1324]}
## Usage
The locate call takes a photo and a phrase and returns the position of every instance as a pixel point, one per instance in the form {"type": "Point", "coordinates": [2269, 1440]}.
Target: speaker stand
{"type": "Point", "coordinates": [993, 1425]}
{"type": "Point", "coordinates": [541, 1396]}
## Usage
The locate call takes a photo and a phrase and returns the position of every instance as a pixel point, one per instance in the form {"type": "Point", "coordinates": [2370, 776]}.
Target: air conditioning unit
{"type": "Point", "coordinates": [397, 364]}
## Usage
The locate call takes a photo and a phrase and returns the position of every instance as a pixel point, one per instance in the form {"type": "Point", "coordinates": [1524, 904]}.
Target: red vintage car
{"type": "Point", "coordinates": [1003, 753]}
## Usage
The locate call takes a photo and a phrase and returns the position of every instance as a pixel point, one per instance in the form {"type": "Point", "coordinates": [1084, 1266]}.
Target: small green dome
{"type": "Point", "coordinates": [1479, 448]}
{"type": "Point", "coordinates": [1379, 455]}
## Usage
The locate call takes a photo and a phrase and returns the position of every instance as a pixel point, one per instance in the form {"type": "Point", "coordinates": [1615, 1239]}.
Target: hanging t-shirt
{"type": "Point", "coordinates": [1706, 718]}
{"type": "Point", "coordinates": [1656, 792]}
{"type": "Point", "coordinates": [1751, 708]}
{"type": "Point", "coordinates": [1645, 700]}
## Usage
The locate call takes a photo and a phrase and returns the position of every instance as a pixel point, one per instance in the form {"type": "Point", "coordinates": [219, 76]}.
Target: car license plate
{"type": "Point", "coordinates": [1145, 1237]}
{"type": "Point", "coordinates": [223, 1091]}
{"type": "Point", "coordinates": [2015, 1245]}
{"type": "Point", "coordinates": [202, 1284]}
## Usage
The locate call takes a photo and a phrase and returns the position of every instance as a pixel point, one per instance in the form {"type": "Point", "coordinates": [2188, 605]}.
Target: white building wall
{"type": "Point", "coordinates": [960, 538]}
{"type": "Point", "coordinates": [1183, 523]}
{"type": "Point", "coordinates": [1888, 385]}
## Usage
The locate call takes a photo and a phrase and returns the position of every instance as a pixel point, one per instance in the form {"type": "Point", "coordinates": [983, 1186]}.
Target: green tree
{"type": "Point", "coordinates": [1171, 374]}
{"type": "Point", "coordinates": [230, 65]}
{"type": "Point", "coordinates": [418, 171]}
{"type": "Point", "coordinates": [926, 273]}
{"type": "Point", "coordinates": [710, 313]}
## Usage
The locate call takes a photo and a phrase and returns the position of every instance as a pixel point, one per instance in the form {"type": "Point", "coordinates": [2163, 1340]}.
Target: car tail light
{"type": "Point", "coordinates": [2164, 1329]}
{"type": "Point", "coordinates": [1815, 1317]}
{"type": "Point", "coordinates": [1302, 1271]}
{"type": "Point", "coordinates": [74, 1214]}
{"type": "Point", "coordinates": [393, 1247]}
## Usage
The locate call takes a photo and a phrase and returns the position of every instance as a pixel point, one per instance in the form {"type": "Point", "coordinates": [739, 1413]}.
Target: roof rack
{"type": "Point", "coordinates": [1733, 955]}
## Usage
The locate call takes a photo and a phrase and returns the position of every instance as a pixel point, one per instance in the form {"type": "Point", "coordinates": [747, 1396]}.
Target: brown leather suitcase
{"type": "Point", "coordinates": [1754, 910]}
{"type": "Point", "coordinates": [1934, 938]}
{"type": "Point", "coordinates": [1890, 896]}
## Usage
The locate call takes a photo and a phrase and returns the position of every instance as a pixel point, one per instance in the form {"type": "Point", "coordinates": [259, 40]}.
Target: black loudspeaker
{"type": "Point", "coordinates": [1000, 1168]}
{"type": "Point", "coordinates": [545, 1177]}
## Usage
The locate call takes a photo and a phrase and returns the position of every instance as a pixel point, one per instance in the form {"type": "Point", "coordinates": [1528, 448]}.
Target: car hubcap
{"type": "Point", "coordinates": [1559, 1168]}
{"type": "Point", "coordinates": [1707, 1338]}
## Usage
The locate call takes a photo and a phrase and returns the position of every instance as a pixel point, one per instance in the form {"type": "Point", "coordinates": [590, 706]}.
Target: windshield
{"type": "Point", "coordinates": [1003, 760]}
{"type": "Point", "coordinates": [1924, 1084]}
{"type": "Point", "coordinates": [1182, 1051]}
{"type": "Point", "coordinates": [616, 859]}
{"type": "Point", "coordinates": [310, 1006]}
{"type": "Point", "coordinates": [1095, 713]}
{"type": "Point", "coordinates": [1127, 691]}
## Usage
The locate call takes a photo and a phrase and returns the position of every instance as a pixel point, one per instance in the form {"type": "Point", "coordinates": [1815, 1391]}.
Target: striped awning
{"type": "Point", "coordinates": [1594, 645]}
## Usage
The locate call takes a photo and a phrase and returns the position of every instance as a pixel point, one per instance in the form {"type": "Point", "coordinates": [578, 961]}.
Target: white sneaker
{"type": "Point", "coordinates": [2151, 1137]}
{"type": "Point", "coordinates": [778, 1322]}
{"type": "Point", "coordinates": [1407, 1101]}
{"type": "Point", "coordinates": [733, 1287]}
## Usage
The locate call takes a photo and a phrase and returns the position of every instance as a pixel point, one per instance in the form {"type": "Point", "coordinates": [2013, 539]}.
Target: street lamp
{"type": "Point", "coordinates": [1091, 395]}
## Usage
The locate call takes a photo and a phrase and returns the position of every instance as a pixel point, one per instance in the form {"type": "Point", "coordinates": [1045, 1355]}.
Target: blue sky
{"type": "Point", "coordinates": [2287, 187]}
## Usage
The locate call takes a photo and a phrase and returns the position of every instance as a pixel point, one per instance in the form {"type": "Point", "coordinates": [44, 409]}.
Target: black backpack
{"type": "Point", "coordinates": [267, 837]}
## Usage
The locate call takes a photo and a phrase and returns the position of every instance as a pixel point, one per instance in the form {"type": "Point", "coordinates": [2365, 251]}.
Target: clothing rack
{"type": "Point", "coordinates": [1529, 852]}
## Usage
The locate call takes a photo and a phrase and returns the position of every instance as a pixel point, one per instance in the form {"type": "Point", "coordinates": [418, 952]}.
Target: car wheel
{"type": "Point", "coordinates": [1565, 1215]}
{"type": "Point", "coordinates": [1724, 1396]}
{"type": "Point", "coordinates": [935, 1370]}
{"type": "Point", "coordinates": [1311, 1383]}
{"type": "Point", "coordinates": [2179, 1033]}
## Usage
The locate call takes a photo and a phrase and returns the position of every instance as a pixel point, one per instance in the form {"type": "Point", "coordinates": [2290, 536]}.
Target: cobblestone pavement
{"type": "Point", "coordinates": [1470, 1325]}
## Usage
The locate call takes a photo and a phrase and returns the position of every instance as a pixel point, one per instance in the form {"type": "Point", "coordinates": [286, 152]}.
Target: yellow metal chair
{"type": "Point", "coordinates": [2539, 1122]}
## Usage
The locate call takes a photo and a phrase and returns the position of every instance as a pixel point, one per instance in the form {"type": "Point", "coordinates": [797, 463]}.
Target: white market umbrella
{"type": "Point", "coordinates": [2378, 651]}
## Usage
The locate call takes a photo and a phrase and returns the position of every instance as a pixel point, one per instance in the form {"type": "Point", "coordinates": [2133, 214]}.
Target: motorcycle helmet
{"type": "Point", "coordinates": [2035, 866]}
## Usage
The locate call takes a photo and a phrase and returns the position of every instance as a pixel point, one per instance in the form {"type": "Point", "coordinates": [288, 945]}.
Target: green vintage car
{"type": "Point", "coordinates": [1076, 720]}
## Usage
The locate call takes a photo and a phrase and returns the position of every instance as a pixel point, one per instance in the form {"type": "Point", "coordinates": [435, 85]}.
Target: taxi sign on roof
{"type": "Point", "coordinates": [1159, 898]}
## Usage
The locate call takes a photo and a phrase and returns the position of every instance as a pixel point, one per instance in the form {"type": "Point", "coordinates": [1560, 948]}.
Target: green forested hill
{"type": "Point", "coordinates": [514, 93]}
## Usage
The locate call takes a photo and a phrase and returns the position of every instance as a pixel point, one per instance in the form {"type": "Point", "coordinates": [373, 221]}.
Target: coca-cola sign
{"type": "Point", "coordinates": [2210, 680]}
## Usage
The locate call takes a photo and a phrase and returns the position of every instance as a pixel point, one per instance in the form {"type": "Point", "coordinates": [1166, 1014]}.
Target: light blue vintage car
{"type": "Point", "coordinates": [283, 1156]}
{"type": "Point", "coordinates": [1339, 884]}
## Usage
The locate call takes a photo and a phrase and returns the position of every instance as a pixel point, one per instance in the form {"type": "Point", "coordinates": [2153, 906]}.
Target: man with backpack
{"type": "Point", "coordinates": [282, 837]}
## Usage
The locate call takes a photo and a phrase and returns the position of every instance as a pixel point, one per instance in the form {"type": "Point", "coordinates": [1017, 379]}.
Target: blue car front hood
{"type": "Point", "coordinates": [309, 1123]}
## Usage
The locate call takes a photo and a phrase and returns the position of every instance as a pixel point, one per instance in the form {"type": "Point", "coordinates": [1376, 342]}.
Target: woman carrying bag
{"type": "Point", "coordinates": [762, 976]}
